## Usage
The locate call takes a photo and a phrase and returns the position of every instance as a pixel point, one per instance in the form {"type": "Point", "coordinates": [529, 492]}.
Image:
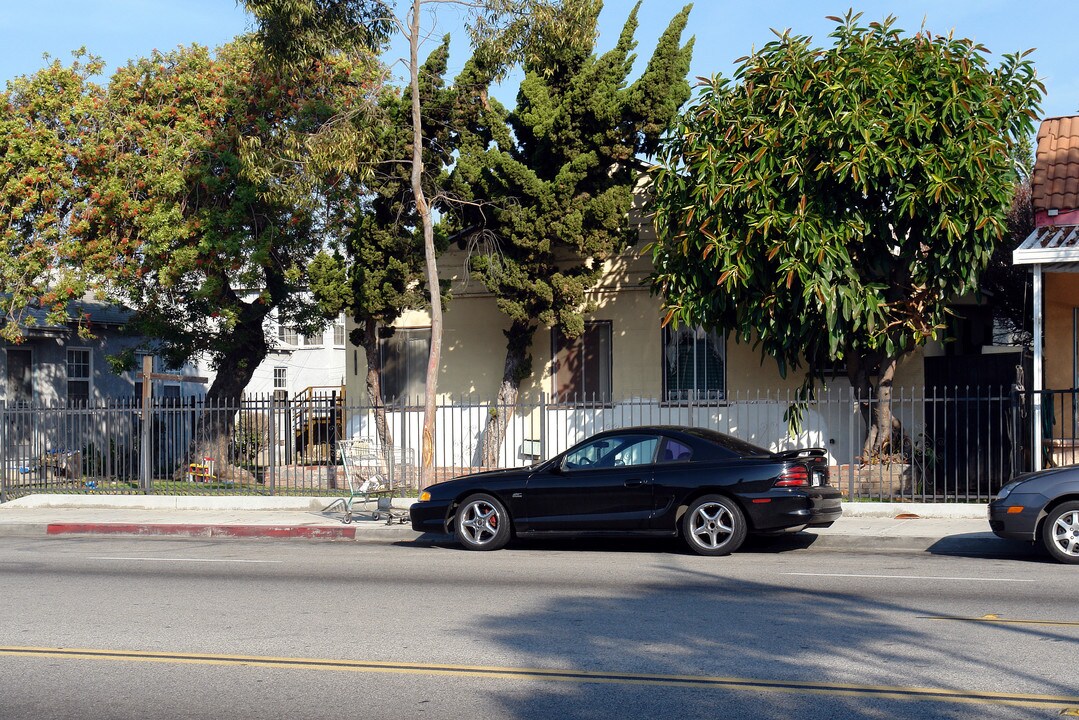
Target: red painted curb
{"type": "Point", "coordinates": [189, 530]}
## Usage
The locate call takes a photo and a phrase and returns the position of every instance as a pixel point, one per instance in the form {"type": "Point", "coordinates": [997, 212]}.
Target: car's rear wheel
{"type": "Point", "coordinates": [714, 525]}
{"type": "Point", "coordinates": [482, 523]}
{"type": "Point", "coordinates": [1060, 532]}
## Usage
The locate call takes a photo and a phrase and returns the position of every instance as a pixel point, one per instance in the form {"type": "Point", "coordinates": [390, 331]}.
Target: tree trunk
{"type": "Point", "coordinates": [374, 389]}
{"type": "Point", "coordinates": [518, 366]}
{"type": "Point", "coordinates": [424, 210]}
{"type": "Point", "coordinates": [218, 419]}
{"type": "Point", "coordinates": [885, 427]}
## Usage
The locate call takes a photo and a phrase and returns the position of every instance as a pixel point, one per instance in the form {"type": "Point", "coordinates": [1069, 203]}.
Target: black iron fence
{"type": "Point", "coordinates": [958, 444]}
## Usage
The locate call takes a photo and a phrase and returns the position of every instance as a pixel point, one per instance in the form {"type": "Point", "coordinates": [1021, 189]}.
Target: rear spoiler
{"type": "Point", "coordinates": [801, 454]}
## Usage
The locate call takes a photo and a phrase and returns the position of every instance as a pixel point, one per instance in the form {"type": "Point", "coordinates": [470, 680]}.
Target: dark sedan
{"type": "Point", "coordinates": [710, 488]}
{"type": "Point", "coordinates": [1042, 506]}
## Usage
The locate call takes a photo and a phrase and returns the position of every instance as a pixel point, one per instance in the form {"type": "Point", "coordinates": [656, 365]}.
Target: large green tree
{"type": "Point", "coordinates": [503, 33]}
{"type": "Point", "coordinates": [827, 203]}
{"type": "Point", "coordinates": [206, 204]}
{"type": "Point", "coordinates": [47, 126]}
{"type": "Point", "coordinates": [552, 182]}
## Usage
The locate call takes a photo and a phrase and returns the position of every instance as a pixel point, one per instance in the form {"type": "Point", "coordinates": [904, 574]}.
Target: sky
{"type": "Point", "coordinates": [119, 30]}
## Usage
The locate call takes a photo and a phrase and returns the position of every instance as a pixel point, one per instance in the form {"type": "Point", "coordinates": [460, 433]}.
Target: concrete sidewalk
{"type": "Point", "coordinates": [917, 527]}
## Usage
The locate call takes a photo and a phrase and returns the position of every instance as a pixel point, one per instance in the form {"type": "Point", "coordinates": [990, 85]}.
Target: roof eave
{"type": "Point", "coordinates": [1045, 256]}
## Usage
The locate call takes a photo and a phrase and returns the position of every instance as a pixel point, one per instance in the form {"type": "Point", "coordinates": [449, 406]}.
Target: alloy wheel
{"type": "Point", "coordinates": [1065, 533]}
{"type": "Point", "coordinates": [712, 525]}
{"type": "Point", "coordinates": [480, 521]}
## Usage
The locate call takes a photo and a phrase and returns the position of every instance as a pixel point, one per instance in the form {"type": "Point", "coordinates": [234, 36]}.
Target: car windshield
{"type": "Point", "coordinates": [733, 444]}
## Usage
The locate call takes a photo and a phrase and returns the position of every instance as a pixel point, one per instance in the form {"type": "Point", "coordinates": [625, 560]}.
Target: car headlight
{"type": "Point", "coordinates": [1007, 489]}
{"type": "Point", "coordinates": [425, 496]}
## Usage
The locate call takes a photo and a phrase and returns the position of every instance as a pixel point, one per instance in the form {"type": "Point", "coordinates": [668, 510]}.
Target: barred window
{"type": "Point", "coordinates": [694, 364]}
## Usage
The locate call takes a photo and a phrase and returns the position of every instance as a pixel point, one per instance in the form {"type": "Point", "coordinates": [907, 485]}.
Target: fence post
{"type": "Point", "coordinates": [272, 454]}
{"type": "Point", "coordinates": [1017, 442]}
{"type": "Point", "coordinates": [403, 400]}
{"type": "Point", "coordinates": [145, 467]}
{"type": "Point", "coordinates": [855, 418]}
{"type": "Point", "coordinates": [3, 452]}
{"type": "Point", "coordinates": [543, 425]}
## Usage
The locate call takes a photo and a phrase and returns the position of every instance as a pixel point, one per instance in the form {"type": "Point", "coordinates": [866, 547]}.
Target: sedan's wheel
{"type": "Point", "coordinates": [482, 523]}
{"type": "Point", "coordinates": [1060, 532]}
{"type": "Point", "coordinates": [714, 525]}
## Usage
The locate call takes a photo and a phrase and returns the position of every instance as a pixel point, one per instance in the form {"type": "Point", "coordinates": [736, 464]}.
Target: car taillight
{"type": "Point", "coordinates": [794, 476]}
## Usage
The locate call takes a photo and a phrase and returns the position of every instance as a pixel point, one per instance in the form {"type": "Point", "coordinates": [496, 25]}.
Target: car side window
{"type": "Point", "coordinates": [616, 451]}
{"type": "Point", "coordinates": [675, 451]}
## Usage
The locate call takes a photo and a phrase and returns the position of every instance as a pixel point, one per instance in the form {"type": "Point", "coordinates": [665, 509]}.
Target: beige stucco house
{"type": "Point", "coordinates": [627, 367]}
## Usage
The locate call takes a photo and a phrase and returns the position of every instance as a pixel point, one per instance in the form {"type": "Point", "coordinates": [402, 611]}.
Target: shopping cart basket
{"type": "Point", "coordinates": [369, 470]}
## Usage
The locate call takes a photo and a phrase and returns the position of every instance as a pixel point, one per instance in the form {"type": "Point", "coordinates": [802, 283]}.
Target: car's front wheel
{"type": "Point", "coordinates": [1060, 532]}
{"type": "Point", "coordinates": [714, 525]}
{"type": "Point", "coordinates": [482, 523]}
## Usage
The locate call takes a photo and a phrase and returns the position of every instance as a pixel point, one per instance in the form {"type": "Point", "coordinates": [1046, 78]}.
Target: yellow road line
{"type": "Point", "coordinates": [1000, 620]}
{"type": "Point", "coordinates": [520, 673]}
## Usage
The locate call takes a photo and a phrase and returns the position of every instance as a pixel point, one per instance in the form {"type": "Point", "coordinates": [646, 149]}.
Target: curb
{"type": "Point", "coordinates": [935, 511]}
{"type": "Point", "coordinates": [289, 532]}
{"type": "Point", "coordinates": [357, 532]}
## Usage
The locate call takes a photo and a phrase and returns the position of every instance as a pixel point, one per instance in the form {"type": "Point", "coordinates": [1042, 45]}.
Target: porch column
{"type": "Point", "coordinates": [1038, 380]}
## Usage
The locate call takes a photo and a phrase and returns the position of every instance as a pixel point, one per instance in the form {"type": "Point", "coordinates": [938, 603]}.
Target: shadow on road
{"type": "Point", "coordinates": [977, 545]}
{"type": "Point", "coordinates": [688, 617]}
{"type": "Point", "coordinates": [671, 546]}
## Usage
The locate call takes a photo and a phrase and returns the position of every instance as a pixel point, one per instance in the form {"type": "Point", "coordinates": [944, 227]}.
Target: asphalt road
{"type": "Point", "coordinates": [95, 628]}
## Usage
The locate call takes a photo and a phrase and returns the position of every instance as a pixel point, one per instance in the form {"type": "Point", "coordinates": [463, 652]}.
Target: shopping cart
{"type": "Point", "coordinates": [369, 470]}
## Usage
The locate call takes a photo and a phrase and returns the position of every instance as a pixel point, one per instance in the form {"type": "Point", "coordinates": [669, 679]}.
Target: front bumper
{"type": "Point", "coordinates": [430, 516]}
{"type": "Point", "coordinates": [1021, 524]}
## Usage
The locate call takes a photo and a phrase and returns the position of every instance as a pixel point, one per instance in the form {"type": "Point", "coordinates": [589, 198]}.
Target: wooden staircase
{"type": "Point", "coordinates": [318, 420]}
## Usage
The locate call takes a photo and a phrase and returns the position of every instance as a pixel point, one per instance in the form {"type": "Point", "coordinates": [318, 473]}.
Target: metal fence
{"type": "Point", "coordinates": [959, 444]}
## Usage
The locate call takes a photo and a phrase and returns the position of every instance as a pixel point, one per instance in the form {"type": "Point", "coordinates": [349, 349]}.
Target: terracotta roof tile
{"type": "Point", "coordinates": [1055, 182]}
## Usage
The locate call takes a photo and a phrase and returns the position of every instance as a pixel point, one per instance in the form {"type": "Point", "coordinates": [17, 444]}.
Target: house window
{"type": "Point", "coordinates": [311, 340]}
{"type": "Point", "coordinates": [694, 364]}
{"type": "Point", "coordinates": [287, 335]}
{"type": "Point", "coordinates": [280, 383]}
{"type": "Point", "coordinates": [339, 331]}
{"type": "Point", "coordinates": [582, 365]}
{"type": "Point", "coordinates": [78, 376]}
{"type": "Point", "coordinates": [404, 363]}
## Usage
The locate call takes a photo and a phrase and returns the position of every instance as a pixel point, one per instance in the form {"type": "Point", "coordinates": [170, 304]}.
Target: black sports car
{"type": "Point", "coordinates": [711, 488]}
{"type": "Point", "coordinates": [1041, 506]}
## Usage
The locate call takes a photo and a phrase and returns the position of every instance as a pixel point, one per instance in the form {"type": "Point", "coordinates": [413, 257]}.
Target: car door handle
{"type": "Point", "coordinates": [631, 483]}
